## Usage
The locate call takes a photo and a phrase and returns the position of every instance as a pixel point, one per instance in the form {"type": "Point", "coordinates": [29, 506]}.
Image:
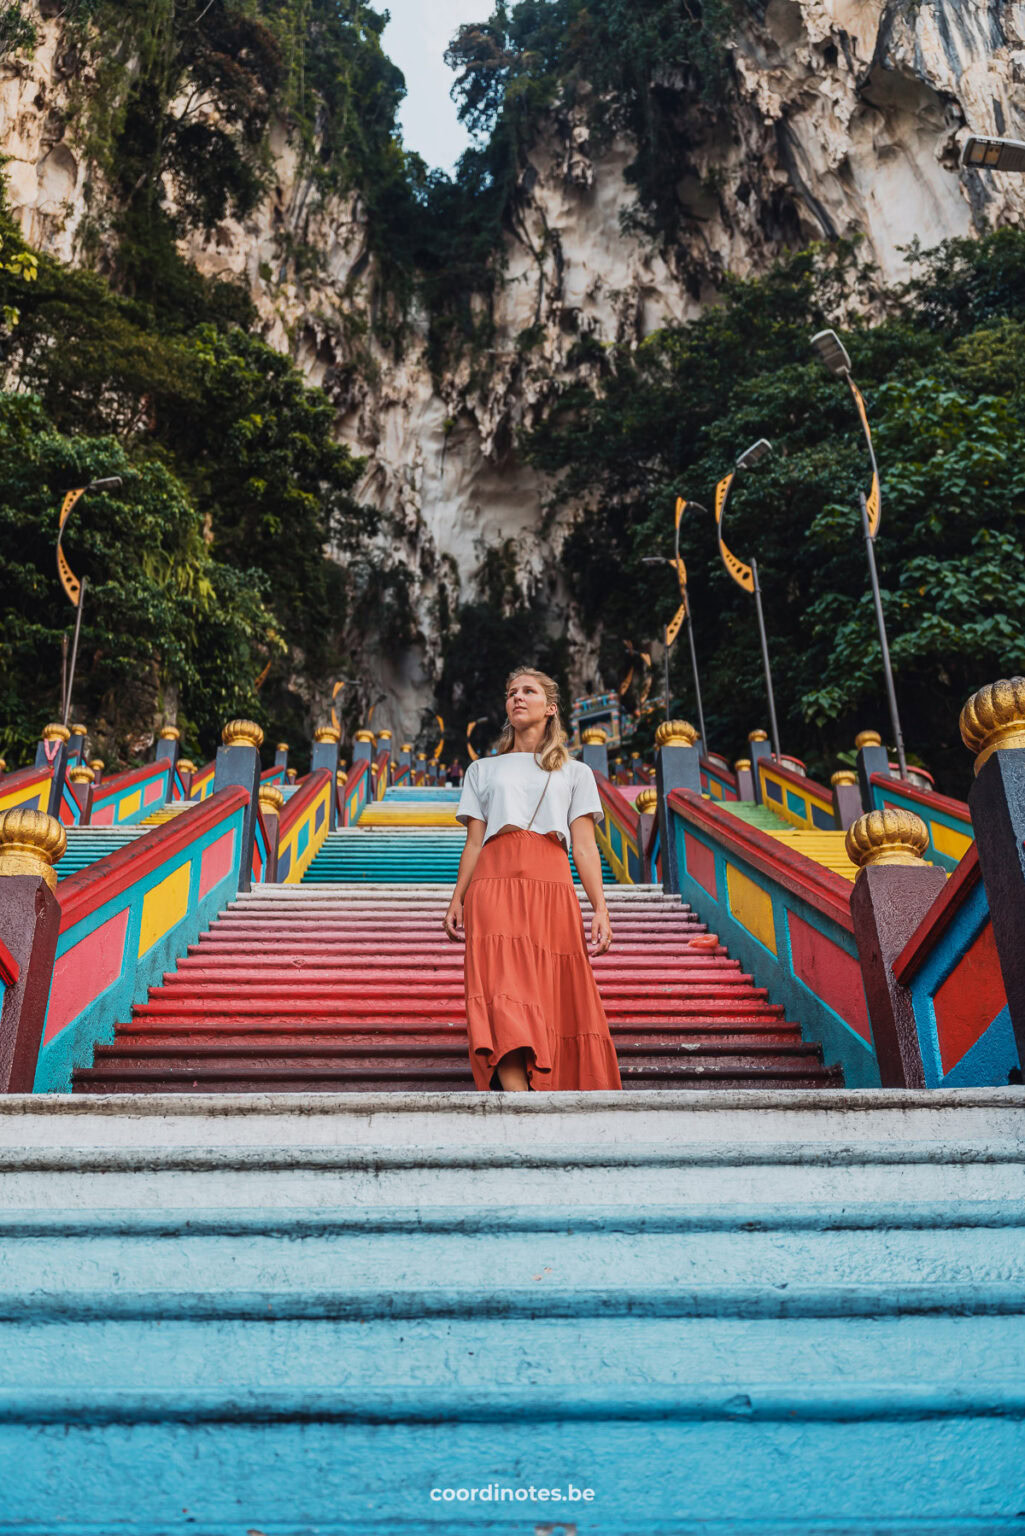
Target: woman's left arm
{"type": "Point", "coordinates": [588, 862]}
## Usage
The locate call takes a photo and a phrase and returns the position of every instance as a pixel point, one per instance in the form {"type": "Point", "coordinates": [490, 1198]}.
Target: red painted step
{"type": "Point", "coordinates": [297, 992]}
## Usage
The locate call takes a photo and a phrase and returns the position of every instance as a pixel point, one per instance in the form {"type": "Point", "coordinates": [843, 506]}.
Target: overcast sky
{"type": "Point", "coordinates": [416, 39]}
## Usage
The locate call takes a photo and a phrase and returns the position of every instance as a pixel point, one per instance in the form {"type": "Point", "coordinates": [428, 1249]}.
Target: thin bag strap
{"type": "Point", "coordinates": [537, 807]}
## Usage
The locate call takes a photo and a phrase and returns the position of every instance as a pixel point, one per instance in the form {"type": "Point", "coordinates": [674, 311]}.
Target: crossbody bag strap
{"type": "Point", "coordinates": [537, 807]}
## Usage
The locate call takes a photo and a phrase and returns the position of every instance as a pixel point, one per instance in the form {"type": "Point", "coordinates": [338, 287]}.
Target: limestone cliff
{"type": "Point", "coordinates": [845, 118]}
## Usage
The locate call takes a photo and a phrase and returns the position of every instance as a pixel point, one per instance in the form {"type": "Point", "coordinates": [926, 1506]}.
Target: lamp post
{"type": "Point", "coordinates": [833, 354]}
{"type": "Point", "coordinates": [480, 720]}
{"type": "Point", "coordinates": [74, 587]}
{"type": "Point", "coordinates": [746, 576]}
{"type": "Point", "coordinates": [682, 613]}
{"type": "Point", "coordinates": [993, 154]}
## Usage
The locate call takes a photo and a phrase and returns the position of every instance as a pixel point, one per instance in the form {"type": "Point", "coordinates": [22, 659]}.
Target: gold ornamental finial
{"type": "Point", "coordinates": [741, 763]}
{"type": "Point", "coordinates": [81, 774]}
{"type": "Point", "coordinates": [384, 736]}
{"type": "Point", "coordinates": [843, 776]}
{"type": "Point", "coordinates": [421, 757]}
{"type": "Point", "coordinates": [340, 776]}
{"type": "Point", "coordinates": [3, 765]}
{"type": "Point", "coordinates": [97, 764]}
{"type": "Point", "coordinates": [994, 719]}
{"type": "Point", "coordinates": [271, 798]}
{"type": "Point", "coordinates": [282, 746]}
{"type": "Point", "coordinates": [170, 733]}
{"type": "Point", "coordinates": [328, 733]}
{"type": "Point", "coordinates": [242, 733]}
{"type": "Point", "coordinates": [867, 739]}
{"type": "Point", "coordinates": [647, 801]}
{"type": "Point", "coordinates": [675, 733]}
{"type": "Point", "coordinates": [79, 730]}
{"type": "Point", "coordinates": [363, 735]}
{"type": "Point", "coordinates": [407, 746]}
{"type": "Point", "coordinates": [56, 732]}
{"type": "Point", "coordinates": [757, 735]}
{"type": "Point", "coordinates": [290, 775]}
{"type": "Point", "coordinates": [186, 765]}
{"type": "Point", "coordinates": [31, 842]}
{"type": "Point", "coordinates": [594, 735]}
{"type": "Point", "coordinates": [887, 837]}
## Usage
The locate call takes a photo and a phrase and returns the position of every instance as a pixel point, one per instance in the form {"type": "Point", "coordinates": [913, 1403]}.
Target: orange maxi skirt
{"type": "Point", "coordinates": [527, 974]}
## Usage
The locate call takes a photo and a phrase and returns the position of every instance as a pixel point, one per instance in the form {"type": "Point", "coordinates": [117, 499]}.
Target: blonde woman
{"type": "Point", "coordinates": [533, 1012]}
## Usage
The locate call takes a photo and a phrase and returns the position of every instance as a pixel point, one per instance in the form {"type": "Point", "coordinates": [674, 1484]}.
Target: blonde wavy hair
{"type": "Point", "coordinates": [551, 752]}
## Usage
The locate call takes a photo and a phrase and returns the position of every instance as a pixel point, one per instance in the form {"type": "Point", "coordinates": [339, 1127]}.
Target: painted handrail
{"type": "Point", "coordinates": [26, 788]}
{"type": "Point", "coordinates": [355, 793]}
{"type": "Point", "coordinates": [949, 821]}
{"type": "Point", "coordinates": [952, 971]}
{"type": "Point", "coordinates": [126, 919]}
{"type": "Point", "coordinates": [303, 825]}
{"type": "Point", "coordinates": [126, 798]}
{"type": "Point", "coordinates": [717, 781]}
{"type": "Point", "coordinates": [618, 836]}
{"type": "Point", "coordinates": [787, 919]}
{"type": "Point", "coordinates": [796, 799]}
{"type": "Point", "coordinates": [382, 763]}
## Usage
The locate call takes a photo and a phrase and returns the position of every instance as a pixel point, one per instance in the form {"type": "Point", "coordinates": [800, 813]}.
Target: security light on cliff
{"type": "Point", "coordinates": [993, 155]}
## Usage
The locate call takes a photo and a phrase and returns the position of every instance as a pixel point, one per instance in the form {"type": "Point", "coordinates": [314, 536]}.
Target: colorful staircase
{"type": "Point", "coordinates": [825, 848]}
{"type": "Point", "coordinates": [726, 1314]}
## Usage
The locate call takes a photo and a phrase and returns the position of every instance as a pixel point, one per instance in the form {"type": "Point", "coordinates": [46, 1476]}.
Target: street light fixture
{"type": "Point", "coordinates": [831, 351]}
{"type": "Point", "coordinates": [993, 154]}
{"type": "Point", "coordinates": [682, 613]}
{"type": "Point", "coordinates": [74, 587]}
{"type": "Point", "coordinates": [746, 576]}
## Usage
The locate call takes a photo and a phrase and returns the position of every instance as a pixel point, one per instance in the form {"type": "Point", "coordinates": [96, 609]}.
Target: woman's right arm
{"type": "Point", "coordinates": [453, 920]}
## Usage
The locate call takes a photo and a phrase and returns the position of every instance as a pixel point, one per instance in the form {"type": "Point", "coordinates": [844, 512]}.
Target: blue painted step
{"type": "Point", "coordinates": [87, 844]}
{"type": "Point", "coordinates": [768, 1315]}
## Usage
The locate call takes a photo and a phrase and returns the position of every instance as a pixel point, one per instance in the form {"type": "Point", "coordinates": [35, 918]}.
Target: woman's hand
{"type": "Point", "coordinates": [453, 921]}
{"type": "Point", "coordinates": [601, 929]}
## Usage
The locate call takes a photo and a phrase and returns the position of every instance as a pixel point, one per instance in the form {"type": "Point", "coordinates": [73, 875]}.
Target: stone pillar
{"type": "Point", "coordinates": [646, 806]}
{"type": "Point", "coordinates": [892, 893]}
{"type": "Point", "coordinates": [238, 763]}
{"type": "Point", "coordinates": [594, 751]}
{"type": "Point", "coordinates": [636, 768]}
{"type": "Point", "coordinates": [420, 771]}
{"type": "Point", "coordinates": [745, 780]}
{"type": "Point", "coordinates": [872, 758]}
{"type": "Point", "coordinates": [677, 766]}
{"type": "Point", "coordinates": [186, 769]}
{"type": "Point", "coordinates": [271, 798]}
{"type": "Point", "coordinates": [325, 755]}
{"type": "Point", "coordinates": [362, 747]}
{"type": "Point", "coordinates": [76, 746]}
{"type": "Point", "coordinates": [993, 727]}
{"type": "Point", "coordinates": [52, 753]}
{"type": "Point", "coordinates": [281, 755]}
{"type": "Point", "coordinates": [406, 759]}
{"type": "Point", "coordinates": [30, 845]}
{"type": "Point", "coordinates": [97, 765]}
{"type": "Point", "coordinates": [169, 746]}
{"type": "Point", "coordinates": [384, 742]}
{"type": "Point", "coordinates": [847, 806]}
{"type": "Point", "coordinates": [83, 782]}
{"type": "Point", "coordinates": [760, 746]}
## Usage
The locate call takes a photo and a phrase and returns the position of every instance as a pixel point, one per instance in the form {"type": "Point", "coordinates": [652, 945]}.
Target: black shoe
{"type": "Point", "coordinates": [496, 1081]}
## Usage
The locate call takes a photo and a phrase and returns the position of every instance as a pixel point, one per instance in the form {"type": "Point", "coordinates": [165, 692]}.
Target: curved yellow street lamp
{"type": "Point", "coordinates": [73, 586]}
{"type": "Point", "coordinates": [832, 353]}
{"type": "Point", "coordinates": [746, 576]}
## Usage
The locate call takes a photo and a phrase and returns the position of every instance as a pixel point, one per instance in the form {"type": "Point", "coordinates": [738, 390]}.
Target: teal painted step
{"type": "Point", "coordinates": [87, 844]}
{"type": "Point", "coordinates": [394, 856]}
{"type": "Point", "coordinates": [283, 1317]}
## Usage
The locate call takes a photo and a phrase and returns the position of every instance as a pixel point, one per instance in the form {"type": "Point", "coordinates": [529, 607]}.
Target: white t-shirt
{"type": "Point", "coordinates": [503, 791]}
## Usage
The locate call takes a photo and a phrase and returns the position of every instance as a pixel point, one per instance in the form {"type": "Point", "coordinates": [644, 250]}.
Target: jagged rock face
{"type": "Point", "coordinates": [848, 119]}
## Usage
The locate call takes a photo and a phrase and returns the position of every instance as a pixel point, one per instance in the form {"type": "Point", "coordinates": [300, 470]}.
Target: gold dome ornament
{"type": "Point", "coordinates": [758, 735]}
{"type": "Point", "coordinates": [97, 764]}
{"type": "Point", "coordinates": [742, 764]}
{"type": "Point", "coordinates": [3, 765]}
{"type": "Point", "coordinates": [242, 733]}
{"type": "Point", "coordinates": [363, 735]}
{"type": "Point", "coordinates": [994, 719]}
{"type": "Point", "coordinates": [282, 746]}
{"type": "Point", "coordinates": [31, 842]}
{"type": "Point", "coordinates": [646, 803]}
{"type": "Point", "coordinates": [79, 730]}
{"type": "Point", "coordinates": [81, 774]}
{"type": "Point", "coordinates": [867, 739]}
{"type": "Point", "coordinates": [186, 765]}
{"type": "Point", "coordinates": [170, 733]}
{"type": "Point", "coordinates": [594, 736]}
{"type": "Point", "coordinates": [384, 736]}
{"type": "Point", "coordinates": [407, 746]}
{"type": "Point", "coordinates": [675, 733]}
{"type": "Point", "coordinates": [843, 776]}
{"type": "Point", "coordinates": [56, 732]}
{"type": "Point", "coordinates": [886, 837]}
{"type": "Point", "coordinates": [329, 733]}
{"type": "Point", "coordinates": [271, 799]}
